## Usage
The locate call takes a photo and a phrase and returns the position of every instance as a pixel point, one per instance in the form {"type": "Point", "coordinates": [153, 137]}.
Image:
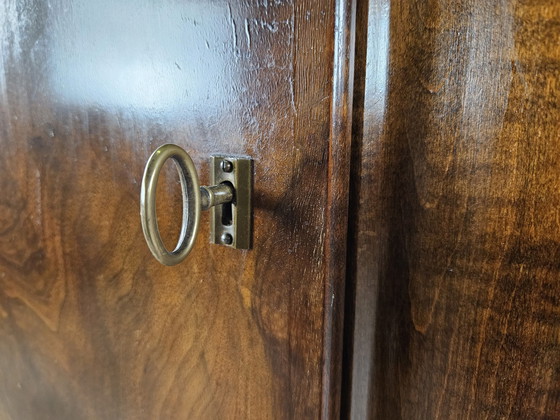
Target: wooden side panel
{"type": "Point", "coordinates": [91, 326]}
{"type": "Point", "coordinates": [457, 230]}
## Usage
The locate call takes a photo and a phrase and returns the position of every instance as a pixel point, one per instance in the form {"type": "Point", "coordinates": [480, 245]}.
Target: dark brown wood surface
{"type": "Point", "coordinates": [91, 326]}
{"type": "Point", "coordinates": [457, 201]}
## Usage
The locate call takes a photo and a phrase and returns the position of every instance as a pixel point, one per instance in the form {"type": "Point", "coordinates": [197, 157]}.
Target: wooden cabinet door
{"type": "Point", "coordinates": [457, 237]}
{"type": "Point", "coordinates": [91, 325]}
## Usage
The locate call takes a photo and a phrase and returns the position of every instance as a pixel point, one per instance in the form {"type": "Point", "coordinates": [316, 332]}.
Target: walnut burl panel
{"type": "Point", "coordinates": [91, 326]}
{"type": "Point", "coordinates": [457, 194]}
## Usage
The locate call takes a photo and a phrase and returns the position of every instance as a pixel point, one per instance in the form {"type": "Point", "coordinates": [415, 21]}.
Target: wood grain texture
{"type": "Point", "coordinates": [457, 201]}
{"type": "Point", "coordinates": [91, 326]}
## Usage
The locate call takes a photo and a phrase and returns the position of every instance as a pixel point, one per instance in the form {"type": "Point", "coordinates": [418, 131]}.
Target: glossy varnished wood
{"type": "Point", "coordinates": [91, 326]}
{"type": "Point", "coordinates": [457, 234]}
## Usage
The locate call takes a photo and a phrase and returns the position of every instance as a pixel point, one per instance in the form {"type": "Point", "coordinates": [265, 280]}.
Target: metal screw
{"type": "Point", "coordinates": [227, 166]}
{"type": "Point", "coordinates": [227, 239]}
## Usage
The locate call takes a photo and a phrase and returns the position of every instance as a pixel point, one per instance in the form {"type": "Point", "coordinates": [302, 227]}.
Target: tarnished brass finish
{"type": "Point", "coordinates": [232, 226]}
{"type": "Point", "coordinates": [216, 195]}
{"type": "Point", "coordinates": [229, 199]}
{"type": "Point", "coordinates": [191, 204]}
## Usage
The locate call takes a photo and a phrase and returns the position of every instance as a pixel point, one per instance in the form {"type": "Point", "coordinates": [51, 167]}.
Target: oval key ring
{"type": "Point", "coordinates": [190, 188]}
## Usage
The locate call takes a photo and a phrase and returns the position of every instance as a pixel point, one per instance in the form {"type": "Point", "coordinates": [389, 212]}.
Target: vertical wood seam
{"type": "Point", "coordinates": [337, 204]}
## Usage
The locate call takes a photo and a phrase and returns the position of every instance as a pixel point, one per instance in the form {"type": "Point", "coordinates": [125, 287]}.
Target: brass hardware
{"type": "Point", "coordinates": [231, 224]}
{"type": "Point", "coordinates": [191, 204]}
{"type": "Point", "coordinates": [229, 199]}
{"type": "Point", "coordinates": [216, 195]}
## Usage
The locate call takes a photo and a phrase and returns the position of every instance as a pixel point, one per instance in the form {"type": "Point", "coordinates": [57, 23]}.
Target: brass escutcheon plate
{"type": "Point", "coordinates": [232, 224]}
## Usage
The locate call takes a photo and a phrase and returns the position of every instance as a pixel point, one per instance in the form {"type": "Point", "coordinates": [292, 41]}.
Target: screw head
{"type": "Point", "coordinates": [227, 166]}
{"type": "Point", "coordinates": [226, 239]}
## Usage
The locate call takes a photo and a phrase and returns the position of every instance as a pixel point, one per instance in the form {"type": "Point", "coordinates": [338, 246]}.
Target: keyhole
{"type": "Point", "coordinates": [227, 210]}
